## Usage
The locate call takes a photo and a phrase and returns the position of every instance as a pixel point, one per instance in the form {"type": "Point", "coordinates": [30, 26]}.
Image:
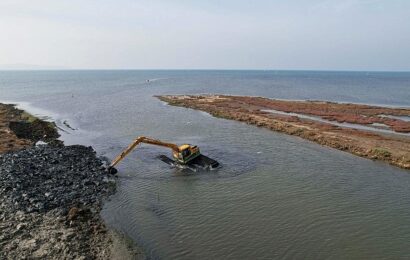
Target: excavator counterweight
{"type": "Point", "coordinates": [184, 156]}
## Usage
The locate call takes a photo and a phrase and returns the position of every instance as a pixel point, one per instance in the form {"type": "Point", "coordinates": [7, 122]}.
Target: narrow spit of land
{"type": "Point", "coordinates": [372, 132]}
{"type": "Point", "coordinates": [51, 195]}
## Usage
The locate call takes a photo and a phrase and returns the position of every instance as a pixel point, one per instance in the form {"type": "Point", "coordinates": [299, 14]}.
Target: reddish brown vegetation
{"type": "Point", "coordinates": [388, 147]}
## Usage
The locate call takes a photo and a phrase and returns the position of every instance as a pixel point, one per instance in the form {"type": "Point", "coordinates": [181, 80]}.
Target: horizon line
{"type": "Point", "coordinates": [207, 69]}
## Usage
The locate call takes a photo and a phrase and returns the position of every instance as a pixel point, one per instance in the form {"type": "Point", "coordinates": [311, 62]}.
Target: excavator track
{"type": "Point", "coordinates": [200, 162]}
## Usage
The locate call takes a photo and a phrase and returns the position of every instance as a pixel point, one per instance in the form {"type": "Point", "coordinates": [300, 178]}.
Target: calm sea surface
{"type": "Point", "coordinates": [276, 196]}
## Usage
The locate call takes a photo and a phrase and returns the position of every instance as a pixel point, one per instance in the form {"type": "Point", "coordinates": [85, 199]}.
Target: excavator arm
{"type": "Point", "coordinates": [141, 139]}
{"type": "Point", "coordinates": [183, 155]}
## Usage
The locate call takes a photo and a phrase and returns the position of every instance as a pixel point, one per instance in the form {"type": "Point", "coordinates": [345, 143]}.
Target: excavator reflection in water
{"type": "Point", "coordinates": [184, 156]}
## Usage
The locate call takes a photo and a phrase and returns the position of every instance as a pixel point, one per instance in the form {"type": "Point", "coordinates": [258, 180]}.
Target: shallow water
{"type": "Point", "coordinates": [375, 127]}
{"type": "Point", "coordinates": [276, 196]}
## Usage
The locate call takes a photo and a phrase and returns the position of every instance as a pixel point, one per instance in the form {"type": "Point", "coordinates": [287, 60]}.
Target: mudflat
{"type": "Point", "coordinates": [374, 132]}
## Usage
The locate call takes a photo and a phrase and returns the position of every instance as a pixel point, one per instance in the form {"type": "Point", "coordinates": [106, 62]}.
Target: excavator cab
{"type": "Point", "coordinates": [186, 153]}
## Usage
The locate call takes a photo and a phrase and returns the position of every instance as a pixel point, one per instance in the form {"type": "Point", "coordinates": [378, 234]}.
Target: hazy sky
{"type": "Point", "coordinates": [207, 34]}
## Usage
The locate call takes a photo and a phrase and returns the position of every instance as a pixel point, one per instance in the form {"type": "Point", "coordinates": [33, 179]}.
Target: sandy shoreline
{"type": "Point", "coordinates": [325, 123]}
{"type": "Point", "coordinates": [51, 195]}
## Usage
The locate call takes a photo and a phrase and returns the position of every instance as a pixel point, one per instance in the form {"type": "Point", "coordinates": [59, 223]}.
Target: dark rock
{"type": "Point", "coordinates": [50, 199]}
{"type": "Point", "coordinates": [43, 178]}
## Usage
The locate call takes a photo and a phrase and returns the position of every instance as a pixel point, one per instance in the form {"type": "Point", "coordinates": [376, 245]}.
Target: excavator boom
{"type": "Point", "coordinates": [142, 139]}
{"type": "Point", "coordinates": [184, 154]}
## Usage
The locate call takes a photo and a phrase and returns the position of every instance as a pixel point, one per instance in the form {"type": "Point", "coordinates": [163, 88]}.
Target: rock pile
{"type": "Point", "coordinates": [43, 178]}
{"type": "Point", "coordinates": [50, 198]}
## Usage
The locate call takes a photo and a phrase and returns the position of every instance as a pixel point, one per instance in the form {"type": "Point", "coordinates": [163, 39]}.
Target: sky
{"type": "Point", "coordinates": [197, 34]}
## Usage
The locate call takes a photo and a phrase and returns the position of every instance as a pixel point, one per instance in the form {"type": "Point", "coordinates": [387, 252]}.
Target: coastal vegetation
{"type": "Point", "coordinates": [368, 131]}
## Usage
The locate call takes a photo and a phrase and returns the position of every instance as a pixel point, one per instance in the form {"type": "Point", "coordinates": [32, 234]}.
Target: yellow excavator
{"type": "Point", "coordinates": [184, 156]}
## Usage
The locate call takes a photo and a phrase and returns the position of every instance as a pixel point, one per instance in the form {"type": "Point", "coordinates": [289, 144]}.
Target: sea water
{"type": "Point", "coordinates": [276, 196]}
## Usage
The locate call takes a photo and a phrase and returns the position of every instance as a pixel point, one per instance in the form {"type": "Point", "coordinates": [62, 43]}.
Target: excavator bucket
{"type": "Point", "coordinates": [200, 162]}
